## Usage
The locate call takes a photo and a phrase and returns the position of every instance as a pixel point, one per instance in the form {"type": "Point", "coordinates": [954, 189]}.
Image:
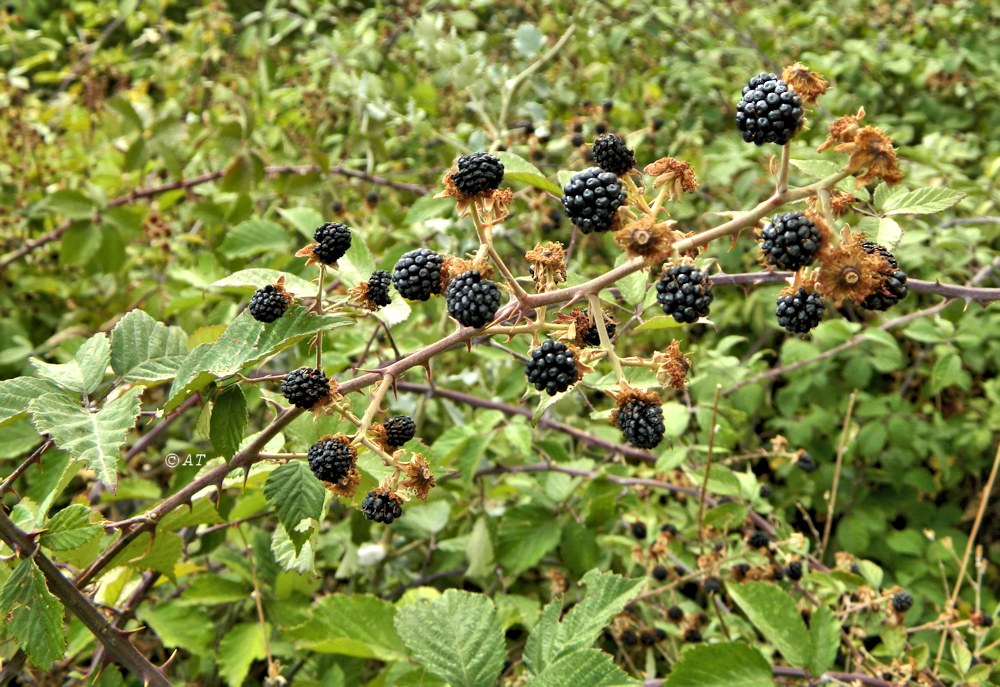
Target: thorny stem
{"type": "Point", "coordinates": [841, 448]}
{"type": "Point", "coordinates": [373, 407]}
{"type": "Point", "coordinates": [602, 333]}
{"type": "Point", "coordinates": [786, 157]}
{"type": "Point", "coordinates": [636, 194]}
{"type": "Point", "coordinates": [486, 239]}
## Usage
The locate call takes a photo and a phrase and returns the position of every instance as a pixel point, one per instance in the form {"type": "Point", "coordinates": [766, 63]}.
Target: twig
{"type": "Point", "coordinates": [602, 332]}
{"type": "Point", "coordinates": [708, 464]}
{"type": "Point", "coordinates": [36, 456]}
{"type": "Point", "coordinates": [513, 84]}
{"type": "Point", "coordinates": [841, 448]}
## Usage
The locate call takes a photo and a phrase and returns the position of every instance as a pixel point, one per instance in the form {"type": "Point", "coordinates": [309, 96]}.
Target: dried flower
{"type": "Point", "coordinates": [419, 478]}
{"type": "Point", "coordinates": [548, 265]}
{"type": "Point", "coordinates": [848, 272]}
{"type": "Point", "coordinates": [676, 175]}
{"type": "Point", "coordinates": [642, 238]}
{"type": "Point", "coordinates": [808, 84]}
{"type": "Point", "coordinates": [872, 150]}
{"type": "Point", "coordinates": [840, 204]}
{"type": "Point", "coordinates": [842, 130]}
{"type": "Point", "coordinates": [672, 366]}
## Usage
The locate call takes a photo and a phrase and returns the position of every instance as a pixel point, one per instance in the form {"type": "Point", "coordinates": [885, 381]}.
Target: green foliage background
{"type": "Point", "coordinates": [100, 99]}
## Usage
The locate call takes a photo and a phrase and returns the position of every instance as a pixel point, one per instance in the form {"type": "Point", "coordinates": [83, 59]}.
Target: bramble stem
{"type": "Point", "coordinates": [841, 448]}
{"type": "Point", "coordinates": [786, 157]}
{"type": "Point", "coordinates": [602, 333]}
{"type": "Point", "coordinates": [708, 465]}
{"type": "Point", "coordinates": [373, 407]}
{"type": "Point", "coordinates": [486, 239]}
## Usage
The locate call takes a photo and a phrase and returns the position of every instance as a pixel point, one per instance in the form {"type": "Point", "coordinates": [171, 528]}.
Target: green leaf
{"type": "Point", "coordinates": [428, 207]}
{"type": "Point", "coordinates": [70, 528]}
{"type": "Point", "coordinates": [590, 667]}
{"type": "Point", "coordinates": [922, 201]}
{"type": "Point", "coordinates": [71, 204]}
{"type": "Point", "coordinates": [257, 277]}
{"type": "Point", "coordinates": [187, 627]}
{"type": "Point", "coordinates": [241, 646]}
{"type": "Point", "coordinates": [84, 373]}
{"type": "Point", "coordinates": [305, 220]}
{"type": "Point", "coordinates": [252, 237]}
{"type": "Point", "coordinates": [358, 625]}
{"type": "Point", "coordinates": [726, 516]}
{"type": "Point", "coordinates": [144, 350]}
{"type": "Point", "coordinates": [208, 590]}
{"type": "Point", "coordinates": [721, 665]}
{"type": "Point", "coordinates": [824, 632]}
{"type": "Point", "coordinates": [296, 495]}
{"type": "Point", "coordinates": [94, 438]}
{"type": "Point", "coordinates": [161, 553]}
{"type": "Point", "coordinates": [659, 322]}
{"type": "Point", "coordinates": [17, 393]}
{"type": "Point", "coordinates": [526, 534]}
{"type": "Point", "coordinates": [517, 169]}
{"type": "Point", "coordinates": [34, 616]}
{"type": "Point", "coordinates": [889, 232]}
{"type": "Point", "coordinates": [479, 551]}
{"type": "Point", "coordinates": [776, 615]}
{"type": "Point", "coordinates": [457, 637]}
{"type": "Point", "coordinates": [229, 421]}
{"type": "Point", "coordinates": [528, 40]}
{"type": "Point", "coordinates": [819, 169]}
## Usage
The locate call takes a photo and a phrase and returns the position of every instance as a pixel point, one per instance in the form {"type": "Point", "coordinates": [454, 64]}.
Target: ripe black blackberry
{"type": "Point", "coordinates": [794, 571]}
{"type": "Point", "coordinates": [685, 293]}
{"type": "Point", "coordinates": [612, 155]}
{"type": "Point", "coordinates": [601, 128]}
{"type": "Point", "coordinates": [332, 241]}
{"type": "Point", "coordinates": [712, 585]}
{"type": "Point", "coordinates": [591, 337]}
{"type": "Point", "coordinates": [417, 275]}
{"type": "Point", "coordinates": [660, 573]}
{"type": "Point", "coordinates": [675, 613]}
{"type": "Point", "coordinates": [552, 367]}
{"type": "Point", "coordinates": [669, 528]}
{"type": "Point", "coordinates": [331, 459]}
{"type": "Point", "coordinates": [399, 430]}
{"type": "Point", "coordinates": [790, 241]}
{"type": "Point", "coordinates": [638, 529]}
{"type": "Point", "coordinates": [268, 303]}
{"type": "Point", "coordinates": [592, 198]}
{"type": "Point", "coordinates": [770, 111]}
{"type": "Point", "coordinates": [641, 423]}
{"type": "Point", "coordinates": [759, 540]}
{"type": "Point", "coordinates": [893, 286]}
{"type": "Point", "coordinates": [806, 463]}
{"type": "Point", "coordinates": [765, 491]}
{"type": "Point", "coordinates": [304, 387]}
{"type": "Point", "coordinates": [576, 140]}
{"type": "Point", "coordinates": [902, 602]}
{"type": "Point", "coordinates": [381, 506]}
{"type": "Point", "coordinates": [378, 288]}
{"type": "Point", "coordinates": [647, 637]}
{"type": "Point", "coordinates": [629, 638]}
{"type": "Point", "coordinates": [799, 312]}
{"type": "Point", "coordinates": [472, 300]}
{"type": "Point", "coordinates": [692, 635]}
{"type": "Point", "coordinates": [477, 173]}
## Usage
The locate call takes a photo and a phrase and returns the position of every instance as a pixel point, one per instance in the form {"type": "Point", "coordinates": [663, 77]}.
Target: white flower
{"type": "Point", "coordinates": [370, 554]}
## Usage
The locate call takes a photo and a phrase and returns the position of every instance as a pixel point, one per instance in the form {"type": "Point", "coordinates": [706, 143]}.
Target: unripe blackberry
{"type": "Point", "coordinates": [552, 367]}
{"type": "Point", "coordinates": [305, 386]}
{"type": "Point", "coordinates": [399, 430]}
{"type": "Point", "coordinates": [893, 287]}
{"type": "Point", "coordinates": [592, 198]}
{"type": "Point", "coordinates": [378, 288]}
{"type": "Point", "coordinates": [591, 337]}
{"type": "Point", "coordinates": [641, 423]}
{"type": "Point", "coordinates": [799, 312]}
{"type": "Point", "coordinates": [794, 571]}
{"type": "Point", "coordinates": [268, 303]}
{"type": "Point", "coordinates": [790, 241]}
{"type": "Point", "coordinates": [331, 459]}
{"type": "Point", "coordinates": [332, 241]}
{"type": "Point", "coordinates": [382, 506]}
{"type": "Point", "coordinates": [417, 275]}
{"type": "Point", "coordinates": [477, 173]}
{"type": "Point", "coordinates": [472, 300]}
{"type": "Point", "coordinates": [685, 293]}
{"type": "Point", "coordinates": [770, 111]}
{"type": "Point", "coordinates": [902, 602]}
{"type": "Point", "coordinates": [612, 155]}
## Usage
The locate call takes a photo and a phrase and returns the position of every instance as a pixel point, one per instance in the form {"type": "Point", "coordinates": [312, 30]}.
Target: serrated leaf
{"type": "Point", "coordinates": [241, 646]}
{"type": "Point", "coordinates": [17, 393]}
{"type": "Point", "coordinates": [144, 350]}
{"type": "Point", "coordinates": [187, 627]}
{"type": "Point", "coordinates": [479, 551]}
{"type": "Point", "coordinates": [607, 594]}
{"type": "Point", "coordinates": [517, 169]}
{"type": "Point", "coordinates": [84, 373]}
{"type": "Point", "coordinates": [776, 615]}
{"type": "Point", "coordinates": [922, 201]}
{"type": "Point", "coordinates": [71, 204]}
{"type": "Point", "coordinates": [35, 616]}
{"type": "Point", "coordinates": [159, 553]}
{"type": "Point", "coordinates": [889, 232]}
{"type": "Point", "coordinates": [229, 421]}
{"type": "Point", "coordinates": [252, 237]}
{"type": "Point", "coordinates": [257, 277]}
{"type": "Point", "coordinates": [457, 637]}
{"type": "Point", "coordinates": [591, 667]}
{"type": "Point", "coordinates": [824, 632]}
{"type": "Point", "coordinates": [526, 533]}
{"type": "Point", "coordinates": [70, 528]}
{"type": "Point", "coordinates": [295, 495]}
{"type": "Point", "coordinates": [721, 665]}
{"type": "Point", "coordinates": [358, 625]}
{"type": "Point", "coordinates": [305, 220]}
{"type": "Point", "coordinates": [94, 438]}
{"type": "Point", "coordinates": [819, 169]}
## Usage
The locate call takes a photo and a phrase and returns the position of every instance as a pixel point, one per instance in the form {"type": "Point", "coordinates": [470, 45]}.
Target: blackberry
{"type": "Point", "coordinates": [611, 154]}
{"type": "Point", "coordinates": [799, 312]}
{"type": "Point", "coordinates": [778, 574]}
{"type": "Point", "coordinates": [332, 241]}
{"type": "Point", "coordinates": [902, 602]}
{"type": "Point", "coordinates": [477, 173]}
{"type": "Point", "coordinates": [382, 506]}
{"type": "Point", "coordinates": [607, 105]}
{"type": "Point", "coordinates": [759, 540]}
{"type": "Point", "coordinates": [331, 459]}
{"type": "Point", "coordinates": [893, 286]}
{"type": "Point", "coordinates": [304, 387]}
{"type": "Point", "coordinates": [659, 573]}
{"type": "Point", "coordinates": [712, 585]}
{"type": "Point", "coordinates": [692, 635]}
{"type": "Point", "coordinates": [378, 288]}
{"type": "Point", "coordinates": [576, 140]}
{"type": "Point", "coordinates": [765, 491]}
{"type": "Point", "coordinates": [770, 111]}
{"type": "Point", "coordinates": [268, 303]}
{"type": "Point", "coordinates": [552, 367]}
{"type": "Point", "coordinates": [675, 613]}
{"type": "Point", "coordinates": [740, 570]}
{"type": "Point", "coordinates": [685, 293]}
{"type": "Point", "coordinates": [590, 335]}
{"type": "Point", "coordinates": [417, 275]}
{"type": "Point", "coordinates": [592, 198]}
{"type": "Point", "coordinates": [472, 300]}
{"type": "Point", "coordinates": [660, 633]}
{"type": "Point", "coordinates": [794, 571]}
{"type": "Point", "coordinates": [638, 529]}
{"type": "Point", "coordinates": [669, 528]}
{"type": "Point", "coordinates": [790, 241]}
{"type": "Point", "coordinates": [641, 423]}
{"type": "Point", "coordinates": [399, 430]}
{"type": "Point", "coordinates": [629, 638]}
{"type": "Point", "coordinates": [807, 463]}
{"type": "Point", "coordinates": [647, 637]}
{"type": "Point", "coordinates": [601, 128]}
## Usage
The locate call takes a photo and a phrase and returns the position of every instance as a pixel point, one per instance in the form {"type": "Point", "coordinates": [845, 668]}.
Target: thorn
{"type": "Point", "coordinates": [162, 668]}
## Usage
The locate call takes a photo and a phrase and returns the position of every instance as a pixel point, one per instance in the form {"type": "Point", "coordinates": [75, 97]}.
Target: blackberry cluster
{"type": "Point", "coordinates": [399, 430]}
{"type": "Point", "coordinates": [332, 241]}
{"type": "Point", "coordinates": [268, 303]}
{"type": "Point", "coordinates": [477, 173]}
{"type": "Point", "coordinates": [331, 460]}
{"type": "Point", "coordinates": [381, 506]}
{"type": "Point", "coordinates": [304, 387]}
{"type": "Point", "coordinates": [641, 423]}
{"type": "Point", "coordinates": [472, 300]}
{"type": "Point", "coordinates": [378, 288]}
{"type": "Point", "coordinates": [894, 287]}
{"type": "Point", "coordinates": [552, 367]}
{"type": "Point", "coordinates": [799, 312]}
{"type": "Point", "coordinates": [790, 241]}
{"type": "Point", "coordinates": [611, 154]}
{"type": "Point", "coordinates": [417, 275]}
{"type": "Point", "coordinates": [591, 337]}
{"type": "Point", "coordinates": [902, 602]}
{"type": "Point", "coordinates": [685, 293]}
{"type": "Point", "coordinates": [591, 198]}
{"type": "Point", "coordinates": [769, 111]}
